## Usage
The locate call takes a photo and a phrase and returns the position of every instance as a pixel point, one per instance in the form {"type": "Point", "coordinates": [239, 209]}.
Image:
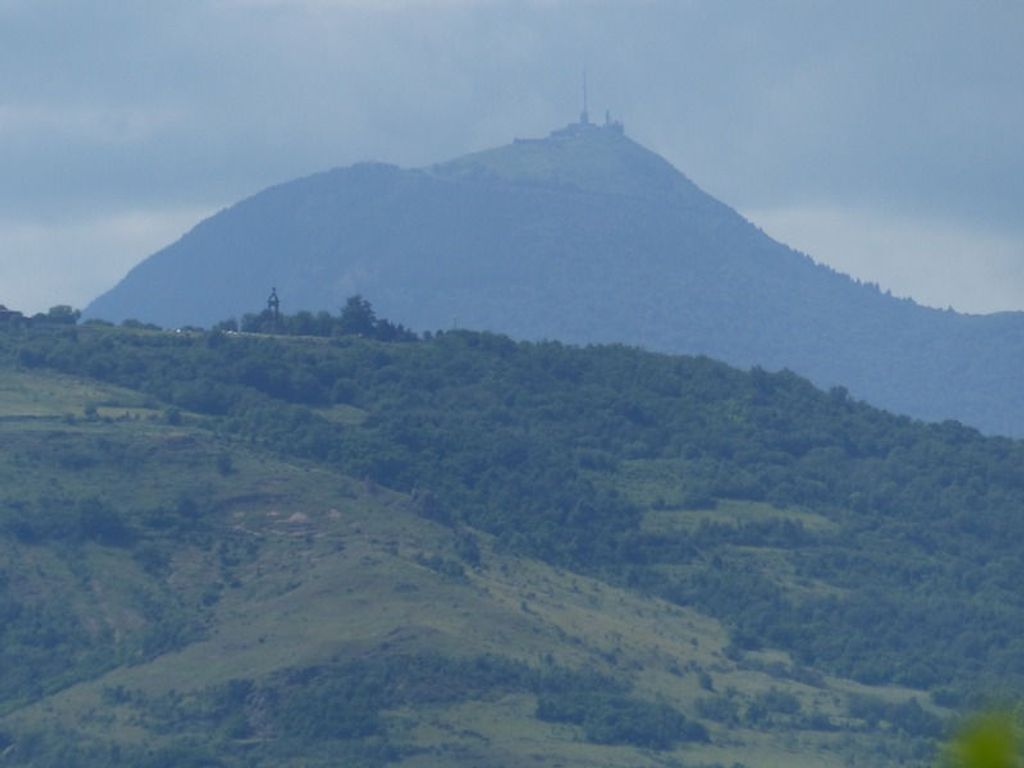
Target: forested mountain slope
{"type": "Point", "coordinates": [583, 237]}
{"type": "Point", "coordinates": [465, 548]}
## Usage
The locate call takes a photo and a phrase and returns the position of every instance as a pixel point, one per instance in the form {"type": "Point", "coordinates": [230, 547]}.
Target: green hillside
{"type": "Point", "coordinates": [246, 550]}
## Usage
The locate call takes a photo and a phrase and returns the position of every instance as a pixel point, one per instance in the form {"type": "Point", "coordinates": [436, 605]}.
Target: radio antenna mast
{"type": "Point", "coordinates": [584, 115]}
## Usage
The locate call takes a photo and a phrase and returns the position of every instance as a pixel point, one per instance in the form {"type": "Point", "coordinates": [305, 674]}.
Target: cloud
{"type": "Point", "coordinates": [44, 263]}
{"type": "Point", "coordinates": [382, 5]}
{"type": "Point", "coordinates": [90, 123]}
{"type": "Point", "coordinates": [939, 263]}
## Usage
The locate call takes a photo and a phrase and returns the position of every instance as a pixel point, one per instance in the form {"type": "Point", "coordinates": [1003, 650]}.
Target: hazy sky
{"type": "Point", "coordinates": [883, 138]}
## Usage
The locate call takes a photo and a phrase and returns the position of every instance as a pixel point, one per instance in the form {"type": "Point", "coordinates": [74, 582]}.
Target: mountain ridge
{"type": "Point", "coordinates": [586, 237]}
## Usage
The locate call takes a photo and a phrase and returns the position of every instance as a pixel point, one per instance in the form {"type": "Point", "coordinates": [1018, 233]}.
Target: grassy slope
{"type": "Point", "coordinates": [297, 565]}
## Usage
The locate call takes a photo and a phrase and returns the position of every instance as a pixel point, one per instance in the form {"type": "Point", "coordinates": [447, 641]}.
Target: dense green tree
{"type": "Point", "coordinates": [358, 317]}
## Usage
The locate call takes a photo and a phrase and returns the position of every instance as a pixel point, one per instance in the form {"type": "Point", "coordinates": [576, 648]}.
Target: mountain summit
{"type": "Point", "coordinates": [584, 236]}
{"type": "Point", "coordinates": [582, 156]}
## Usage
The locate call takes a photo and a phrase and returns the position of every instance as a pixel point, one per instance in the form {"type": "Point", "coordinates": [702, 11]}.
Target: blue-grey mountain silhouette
{"type": "Point", "coordinates": [583, 236]}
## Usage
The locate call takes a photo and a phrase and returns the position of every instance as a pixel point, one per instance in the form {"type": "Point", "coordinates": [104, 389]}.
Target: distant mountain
{"type": "Point", "coordinates": [584, 236]}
